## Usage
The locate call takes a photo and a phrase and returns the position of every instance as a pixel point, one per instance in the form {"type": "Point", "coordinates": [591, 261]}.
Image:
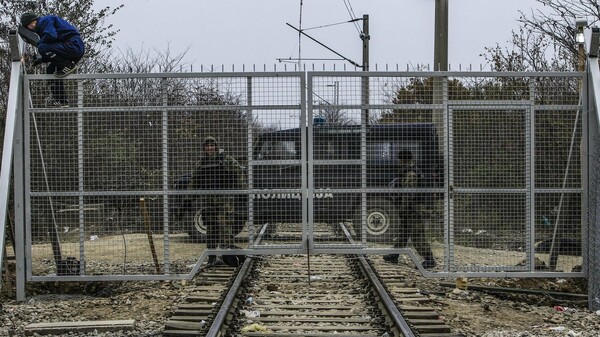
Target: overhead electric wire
{"type": "Point", "coordinates": [353, 19]}
{"type": "Point", "coordinates": [332, 24]}
{"type": "Point", "coordinates": [324, 46]}
{"type": "Point", "coordinates": [300, 36]}
{"type": "Point", "coordinates": [352, 15]}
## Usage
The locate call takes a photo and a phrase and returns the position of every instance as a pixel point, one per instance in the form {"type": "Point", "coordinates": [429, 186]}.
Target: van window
{"type": "Point", "coordinates": [386, 153]}
{"type": "Point", "coordinates": [336, 149]}
{"type": "Point", "coordinates": [278, 150]}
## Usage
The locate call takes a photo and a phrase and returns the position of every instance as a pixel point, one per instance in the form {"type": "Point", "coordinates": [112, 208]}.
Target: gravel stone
{"type": "Point", "coordinates": [150, 304]}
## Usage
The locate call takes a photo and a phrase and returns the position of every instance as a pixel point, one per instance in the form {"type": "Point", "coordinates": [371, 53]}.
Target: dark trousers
{"type": "Point", "coordinates": [58, 55]}
{"type": "Point", "coordinates": [218, 226]}
{"type": "Point", "coordinates": [62, 53]}
{"type": "Point", "coordinates": [411, 227]}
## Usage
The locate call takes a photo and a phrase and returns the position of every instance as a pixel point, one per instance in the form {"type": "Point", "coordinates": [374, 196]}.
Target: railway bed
{"type": "Point", "coordinates": [300, 295]}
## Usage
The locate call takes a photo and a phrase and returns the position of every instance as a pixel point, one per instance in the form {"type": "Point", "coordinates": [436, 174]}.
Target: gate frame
{"type": "Point", "coordinates": [308, 243]}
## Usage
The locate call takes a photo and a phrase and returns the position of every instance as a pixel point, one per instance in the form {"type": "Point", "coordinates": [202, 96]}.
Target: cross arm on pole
{"type": "Point", "coordinates": [324, 46]}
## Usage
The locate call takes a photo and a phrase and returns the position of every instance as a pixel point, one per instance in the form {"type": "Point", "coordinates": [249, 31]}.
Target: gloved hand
{"type": "Point", "coordinates": [37, 61]}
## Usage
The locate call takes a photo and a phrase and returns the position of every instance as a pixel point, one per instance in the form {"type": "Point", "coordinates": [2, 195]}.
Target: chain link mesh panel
{"type": "Point", "coordinates": [122, 181]}
{"type": "Point", "coordinates": [476, 173]}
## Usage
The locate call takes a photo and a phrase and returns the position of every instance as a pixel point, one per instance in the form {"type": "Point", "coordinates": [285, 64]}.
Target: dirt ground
{"type": "Point", "coordinates": [471, 311]}
{"type": "Point", "coordinates": [537, 311]}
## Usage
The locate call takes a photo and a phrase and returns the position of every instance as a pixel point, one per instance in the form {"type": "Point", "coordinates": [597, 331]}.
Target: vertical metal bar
{"type": "Point", "coordinates": [24, 223]}
{"type": "Point", "coordinates": [307, 141]}
{"type": "Point", "coordinates": [364, 122]}
{"type": "Point", "coordinates": [9, 135]}
{"type": "Point", "coordinates": [530, 179]}
{"type": "Point", "coordinates": [446, 150]}
{"type": "Point", "coordinates": [591, 207]}
{"type": "Point", "coordinates": [81, 186]}
{"type": "Point", "coordinates": [594, 225]}
{"type": "Point", "coordinates": [584, 183]}
{"type": "Point", "coordinates": [250, 166]}
{"type": "Point", "coordinates": [165, 177]}
{"type": "Point", "coordinates": [449, 186]}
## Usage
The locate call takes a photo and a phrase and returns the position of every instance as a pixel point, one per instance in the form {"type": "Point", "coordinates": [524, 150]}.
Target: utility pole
{"type": "Point", "coordinates": [365, 37]}
{"type": "Point", "coordinates": [440, 52]}
{"type": "Point", "coordinates": [336, 93]}
{"type": "Point", "coordinates": [440, 63]}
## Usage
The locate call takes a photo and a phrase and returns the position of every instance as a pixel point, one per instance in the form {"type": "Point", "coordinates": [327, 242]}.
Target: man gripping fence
{"type": "Point", "coordinates": [59, 45]}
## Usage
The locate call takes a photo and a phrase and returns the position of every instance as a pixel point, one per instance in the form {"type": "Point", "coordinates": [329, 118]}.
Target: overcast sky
{"type": "Point", "coordinates": [254, 32]}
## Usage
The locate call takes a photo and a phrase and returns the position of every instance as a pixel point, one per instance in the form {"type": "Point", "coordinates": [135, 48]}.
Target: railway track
{"type": "Point", "coordinates": [306, 295]}
{"type": "Point", "coordinates": [322, 295]}
{"type": "Point", "coordinates": [414, 305]}
{"type": "Point", "coordinates": [196, 313]}
{"type": "Point", "coordinates": [309, 296]}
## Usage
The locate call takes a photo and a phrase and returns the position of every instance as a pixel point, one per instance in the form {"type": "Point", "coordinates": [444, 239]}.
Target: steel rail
{"type": "Point", "coordinates": [385, 299]}
{"type": "Point", "coordinates": [221, 316]}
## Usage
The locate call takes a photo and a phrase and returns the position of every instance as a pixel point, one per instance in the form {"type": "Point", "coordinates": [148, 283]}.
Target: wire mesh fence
{"type": "Point", "coordinates": [142, 174]}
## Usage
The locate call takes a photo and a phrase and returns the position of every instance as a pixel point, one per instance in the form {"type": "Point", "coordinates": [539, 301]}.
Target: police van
{"type": "Point", "coordinates": [337, 165]}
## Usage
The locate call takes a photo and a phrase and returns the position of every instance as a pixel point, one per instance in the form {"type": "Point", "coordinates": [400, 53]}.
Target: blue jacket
{"type": "Point", "coordinates": [53, 29]}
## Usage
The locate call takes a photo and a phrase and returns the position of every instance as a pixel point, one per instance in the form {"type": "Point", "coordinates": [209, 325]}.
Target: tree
{"type": "Point", "coordinates": [531, 51]}
{"type": "Point", "coordinates": [416, 91]}
{"type": "Point", "coordinates": [557, 20]}
{"type": "Point", "coordinates": [546, 38]}
{"type": "Point", "coordinates": [96, 34]}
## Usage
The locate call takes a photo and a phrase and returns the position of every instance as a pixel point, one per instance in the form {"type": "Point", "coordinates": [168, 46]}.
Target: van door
{"type": "Point", "coordinates": [277, 172]}
{"type": "Point", "coordinates": [333, 169]}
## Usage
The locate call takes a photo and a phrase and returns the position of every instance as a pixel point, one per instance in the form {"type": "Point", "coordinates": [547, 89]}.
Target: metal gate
{"type": "Point", "coordinates": [110, 190]}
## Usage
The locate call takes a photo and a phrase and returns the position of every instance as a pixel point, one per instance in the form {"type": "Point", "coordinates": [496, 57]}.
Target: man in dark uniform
{"type": "Point", "coordinates": [410, 225]}
{"type": "Point", "coordinates": [217, 171]}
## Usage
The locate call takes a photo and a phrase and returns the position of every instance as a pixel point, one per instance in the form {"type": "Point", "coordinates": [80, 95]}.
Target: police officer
{"type": "Point", "coordinates": [217, 171]}
{"type": "Point", "coordinates": [410, 225]}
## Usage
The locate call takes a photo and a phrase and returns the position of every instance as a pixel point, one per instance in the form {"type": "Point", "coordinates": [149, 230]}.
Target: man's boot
{"type": "Point", "coordinates": [429, 261]}
{"type": "Point", "coordinates": [211, 260]}
{"type": "Point", "coordinates": [391, 258]}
